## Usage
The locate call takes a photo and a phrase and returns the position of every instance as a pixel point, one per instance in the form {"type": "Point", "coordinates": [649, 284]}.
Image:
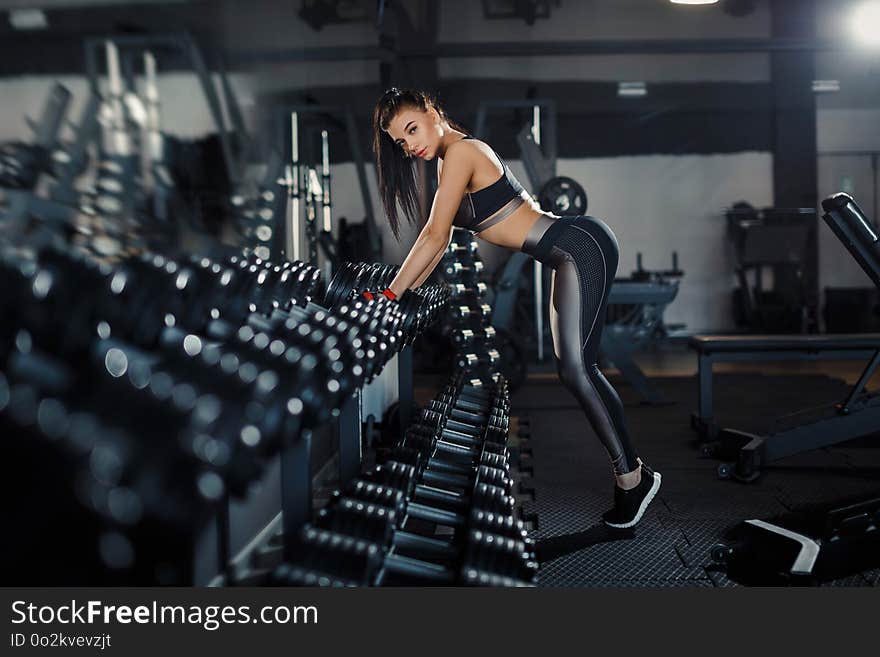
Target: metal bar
{"type": "Point", "coordinates": [233, 108]}
{"type": "Point", "coordinates": [544, 48]}
{"type": "Point", "coordinates": [614, 348]}
{"type": "Point", "coordinates": [350, 439]}
{"type": "Point", "coordinates": [831, 430]}
{"type": "Point", "coordinates": [52, 117]}
{"type": "Point", "coordinates": [539, 269]}
{"type": "Point", "coordinates": [325, 198]}
{"type": "Point", "coordinates": [405, 387]}
{"type": "Point", "coordinates": [292, 232]}
{"type": "Point", "coordinates": [87, 132]}
{"type": "Point", "coordinates": [296, 488]}
{"type": "Point", "coordinates": [705, 388]}
{"type": "Point", "coordinates": [774, 356]}
{"type": "Point", "coordinates": [506, 291]}
{"type": "Point", "coordinates": [867, 373]}
{"type": "Point", "coordinates": [223, 556]}
{"type": "Point", "coordinates": [369, 217]}
{"type": "Point", "coordinates": [325, 179]}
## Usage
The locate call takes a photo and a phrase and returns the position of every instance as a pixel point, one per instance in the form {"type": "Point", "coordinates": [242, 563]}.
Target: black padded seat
{"type": "Point", "coordinates": [800, 343]}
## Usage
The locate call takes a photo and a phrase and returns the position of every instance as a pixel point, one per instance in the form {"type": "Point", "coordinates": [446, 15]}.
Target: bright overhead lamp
{"type": "Point", "coordinates": [865, 23]}
{"type": "Point", "coordinates": [826, 86]}
{"type": "Point", "coordinates": [631, 89]}
{"type": "Point", "coordinates": [28, 19]}
{"type": "Point", "coordinates": [694, 2]}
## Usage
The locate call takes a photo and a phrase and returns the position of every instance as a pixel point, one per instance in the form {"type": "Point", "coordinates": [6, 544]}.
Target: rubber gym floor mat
{"type": "Point", "coordinates": [704, 582]}
{"type": "Point", "coordinates": [649, 557]}
{"type": "Point", "coordinates": [572, 543]}
{"type": "Point", "coordinates": [872, 576]}
{"type": "Point", "coordinates": [572, 482]}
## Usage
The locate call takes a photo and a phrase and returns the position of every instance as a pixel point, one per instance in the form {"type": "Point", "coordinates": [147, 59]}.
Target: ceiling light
{"type": "Point", "coordinates": [864, 22]}
{"type": "Point", "coordinates": [693, 2]}
{"type": "Point", "coordinates": [826, 86]}
{"type": "Point", "coordinates": [631, 89]}
{"type": "Point", "coordinates": [28, 19]}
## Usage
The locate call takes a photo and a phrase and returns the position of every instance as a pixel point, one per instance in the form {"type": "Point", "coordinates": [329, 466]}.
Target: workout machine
{"type": "Point", "coordinates": [857, 415]}
{"type": "Point", "coordinates": [635, 321]}
{"type": "Point", "coordinates": [783, 243]}
{"type": "Point", "coordinates": [307, 213]}
{"type": "Point", "coordinates": [804, 548]}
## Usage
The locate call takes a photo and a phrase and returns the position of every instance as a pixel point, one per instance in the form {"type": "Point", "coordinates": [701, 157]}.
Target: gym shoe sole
{"type": "Point", "coordinates": [644, 505]}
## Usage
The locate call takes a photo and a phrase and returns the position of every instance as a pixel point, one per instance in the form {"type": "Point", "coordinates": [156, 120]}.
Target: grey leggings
{"type": "Point", "coordinates": [583, 253]}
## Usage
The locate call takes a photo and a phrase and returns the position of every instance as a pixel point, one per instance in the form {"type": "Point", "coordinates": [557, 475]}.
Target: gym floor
{"type": "Point", "coordinates": [567, 482]}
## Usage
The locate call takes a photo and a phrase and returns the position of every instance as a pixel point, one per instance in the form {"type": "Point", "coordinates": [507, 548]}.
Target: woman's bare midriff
{"type": "Point", "coordinates": [512, 231]}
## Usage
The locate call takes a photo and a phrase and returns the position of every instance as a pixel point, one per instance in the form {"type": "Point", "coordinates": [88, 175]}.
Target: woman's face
{"type": "Point", "coordinates": [416, 132]}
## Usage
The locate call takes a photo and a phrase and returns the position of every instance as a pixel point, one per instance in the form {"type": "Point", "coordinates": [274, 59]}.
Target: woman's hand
{"type": "Point", "coordinates": [387, 293]}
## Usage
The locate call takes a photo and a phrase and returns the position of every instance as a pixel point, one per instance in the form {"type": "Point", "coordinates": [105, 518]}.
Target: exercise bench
{"type": "Point", "coordinates": [856, 416]}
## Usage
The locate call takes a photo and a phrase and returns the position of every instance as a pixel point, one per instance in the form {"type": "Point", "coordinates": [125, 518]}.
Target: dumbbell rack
{"type": "Point", "coordinates": [450, 470]}
{"type": "Point", "coordinates": [470, 315]}
{"type": "Point", "coordinates": [400, 322]}
{"type": "Point", "coordinates": [184, 356]}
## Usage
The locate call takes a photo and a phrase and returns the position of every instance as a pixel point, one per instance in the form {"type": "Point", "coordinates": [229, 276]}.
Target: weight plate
{"type": "Point", "coordinates": [563, 196]}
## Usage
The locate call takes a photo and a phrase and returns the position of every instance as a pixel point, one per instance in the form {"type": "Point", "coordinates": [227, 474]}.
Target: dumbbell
{"type": "Point", "coordinates": [492, 508]}
{"type": "Point", "coordinates": [269, 370]}
{"type": "Point", "coordinates": [360, 325]}
{"type": "Point", "coordinates": [461, 384]}
{"type": "Point", "coordinates": [469, 417]}
{"type": "Point", "coordinates": [502, 526]}
{"type": "Point", "coordinates": [461, 387]}
{"type": "Point", "coordinates": [237, 415]}
{"type": "Point", "coordinates": [450, 458]}
{"type": "Point", "coordinates": [497, 415]}
{"type": "Point", "coordinates": [423, 500]}
{"type": "Point", "coordinates": [470, 311]}
{"type": "Point", "coordinates": [468, 399]}
{"type": "Point", "coordinates": [400, 480]}
{"type": "Point", "coordinates": [334, 559]}
{"type": "Point", "coordinates": [463, 272]}
{"type": "Point", "coordinates": [327, 366]}
{"type": "Point", "coordinates": [457, 402]}
{"type": "Point", "coordinates": [476, 324]}
{"type": "Point", "coordinates": [466, 248]}
{"type": "Point", "coordinates": [279, 285]}
{"type": "Point", "coordinates": [158, 487]}
{"type": "Point", "coordinates": [340, 285]}
{"type": "Point", "coordinates": [420, 309]}
{"type": "Point", "coordinates": [21, 163]}
{"type": "Point", "coordinates": [455, 457]}
{"type": "Point", "coordinates": [477, 290]}
{"type": "Point", "coordinates": [482, 358]}
{"type": "Point", "coordinates": [437, 471]}
{"type": "Point", "coordinates": [470, 336]}
{"type": "Point", "coordinates": [364, 340]}
{"type": "Point", "coordinates": [462, 237]}
{"type": "Point", "coordinates": [383, 525]}
{"type": "Point", "coordinates": [460, 433]}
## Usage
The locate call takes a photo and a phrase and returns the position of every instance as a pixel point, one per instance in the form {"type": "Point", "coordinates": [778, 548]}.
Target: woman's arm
{"type": "Point", "coordinates": [421, 279]}
{"type": "Point", "coordinates": [434, 237]}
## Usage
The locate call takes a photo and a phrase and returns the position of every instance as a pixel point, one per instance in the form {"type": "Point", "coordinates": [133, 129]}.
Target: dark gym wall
{"type": "Point", "coordinates": [659, 168]}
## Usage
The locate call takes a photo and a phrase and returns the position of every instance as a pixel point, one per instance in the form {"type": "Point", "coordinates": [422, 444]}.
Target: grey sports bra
{"type": "Point", "coordinates": [480, 209]}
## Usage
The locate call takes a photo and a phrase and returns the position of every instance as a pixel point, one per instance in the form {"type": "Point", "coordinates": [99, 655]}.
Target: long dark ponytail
{"type": "Point", "coordinates": [398, 184]}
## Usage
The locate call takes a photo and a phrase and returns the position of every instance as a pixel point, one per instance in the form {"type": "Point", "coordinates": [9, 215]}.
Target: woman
{"type": "Point", "coordinates": [477, 191]}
